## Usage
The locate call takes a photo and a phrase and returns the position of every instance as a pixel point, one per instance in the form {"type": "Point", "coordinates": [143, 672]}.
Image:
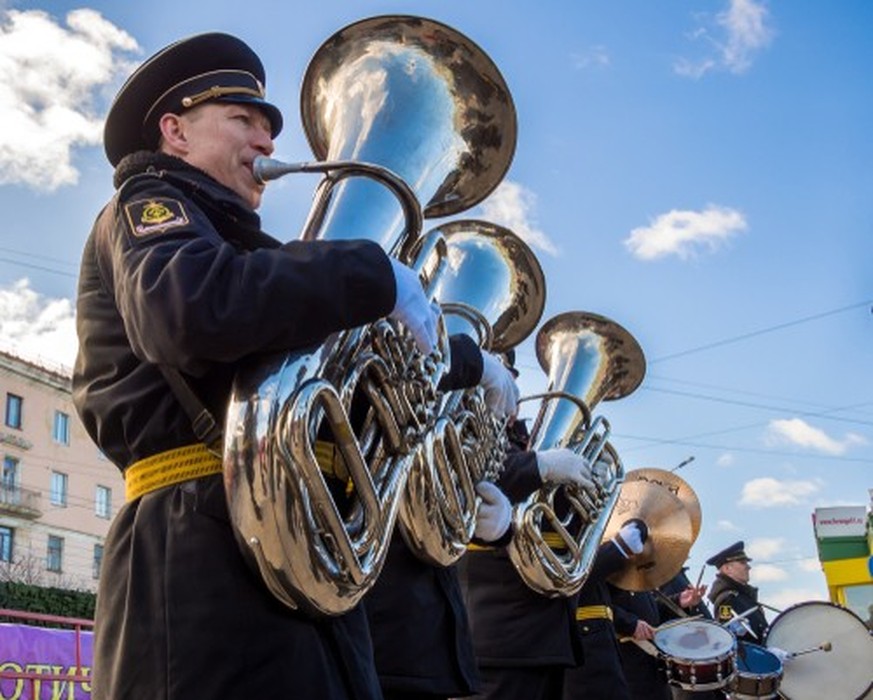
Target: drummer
{"type": "Point", "coordinates": [731, 595]}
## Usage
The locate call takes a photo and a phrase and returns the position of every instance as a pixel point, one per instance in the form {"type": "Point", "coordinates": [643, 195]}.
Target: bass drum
{"type": "Point", "coordinates": [845, 671]}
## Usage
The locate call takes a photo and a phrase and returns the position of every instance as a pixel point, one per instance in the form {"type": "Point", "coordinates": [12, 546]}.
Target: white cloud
{"type": "Point", "coordinates": [787, 597]}
{"type": "Point", "coordinates": [765, 547]}
{"type": "Point", "coordinates": [724, 460]}
{"type": "Point", "coordinates": [594, 56]}
{"type": "Point", "coordinates": [726, 526]}
{"type": "Point", "coordinates": [768, 572]}
{"type": "Point", "coordinates": [36, 327]}
{"type": "Point", "coordinates": [511, 205]}
{"type": "Point", "coordinates": [809, 564]}
{"type": "Point", "coordinates": [767, 492]}
{"type": "Point", "coordinates": [50, 79]}
{"type": "Point", "coordinates": [733, 39]}
{"type": "Point", "coordinates": [795, 431]}
{"type": "Point", "coordinates": [682, 232]}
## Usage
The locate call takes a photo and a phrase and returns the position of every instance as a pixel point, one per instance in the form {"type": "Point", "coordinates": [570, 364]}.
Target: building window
{"type": "Point", "coordinates": [55, 553]}
{"type": "Point", "coordinates": [103, 502]}
{"type": "Point", "coordinates": [9, 481]}
{"type": "Point", "coordinates": [13, 411]}
{"type": "Point", "coordinates": [6, 542]}
{"type": "Point", "coordinates": [61, 429]}
{"type": "Point", "coordinates": [59, 489]}
{"type": "Point", "coordinates": [98, 560]}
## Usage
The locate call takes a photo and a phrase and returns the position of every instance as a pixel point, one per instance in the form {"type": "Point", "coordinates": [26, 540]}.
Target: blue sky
{"type": "Point", "coordinates": [697, 170]}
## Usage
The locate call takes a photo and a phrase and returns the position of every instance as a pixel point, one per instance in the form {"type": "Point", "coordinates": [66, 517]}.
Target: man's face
{"type": "Point", "coordinates": [738, 570]}
{"type": "Point", "coordinates": [222, 139]}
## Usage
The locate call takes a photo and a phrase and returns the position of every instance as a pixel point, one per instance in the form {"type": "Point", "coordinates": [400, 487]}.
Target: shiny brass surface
{"type": "Point", "coordinates": [493, 279]}
{"type": "Point", "coordinates": [669, 541]}
{"type": "Point", "coordinates": [404, 110]}
{"type": "Point", "coordinates": [588, 358]}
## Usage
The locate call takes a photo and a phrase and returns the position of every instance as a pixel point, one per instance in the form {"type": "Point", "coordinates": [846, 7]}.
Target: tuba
{"type": "Point", "coordinates": [588, 358]}
{"type": "Point", "coordinates": [398, 110]}
{"type": "Point", "coordinates": [493, 290]}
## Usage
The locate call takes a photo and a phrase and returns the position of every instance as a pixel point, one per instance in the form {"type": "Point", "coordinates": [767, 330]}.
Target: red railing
{"type": "Point", "coordinates": [37, 679]}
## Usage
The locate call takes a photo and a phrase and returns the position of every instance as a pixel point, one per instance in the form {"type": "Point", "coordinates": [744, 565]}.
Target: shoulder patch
{"type": "Point", "coordinates": [725, 612]}
{"type": "Point", "coordinates": [156, 215]}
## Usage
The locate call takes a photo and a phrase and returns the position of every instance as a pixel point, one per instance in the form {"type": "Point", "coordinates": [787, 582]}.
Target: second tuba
{"type": "Point", "coordinates": [588, 358]}
{"type": "Point", "coordinates": [423, 115]}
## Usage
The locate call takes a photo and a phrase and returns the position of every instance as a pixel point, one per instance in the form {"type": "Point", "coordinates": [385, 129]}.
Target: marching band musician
{"type": "Point", "coordinates": [731, 595]}
{"type": "Point", "coordinates": [523, 641]}
{"type": "Point", "coordinates": [178, 286]}
{"type": "Point", "coordinates": [418, 623]}
{"type": "Point", "coordinates": [600, 675]}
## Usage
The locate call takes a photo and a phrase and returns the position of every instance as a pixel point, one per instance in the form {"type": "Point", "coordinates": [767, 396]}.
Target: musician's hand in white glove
{"type": "Point", "coordinates": [501, 392]}
{"type": "Point", "coordinates": [602, 470]}
{"type": "Point", "coordinates": [631, 537]}
{"type": "Point", "coordinates": [563, 466]}
{"type": "Point", "coordinates": [412, 308]}
{"type": "Point", "coordinates": [780, 654]}
{"type": "Point", "coordinates": [495, 513]}
{"type": "Point", "coordinates": [737, 628]}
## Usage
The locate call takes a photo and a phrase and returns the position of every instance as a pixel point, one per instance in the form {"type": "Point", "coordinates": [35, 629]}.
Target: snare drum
{"type": "Point", "coordinates": [698, 654]}
{"type": "Point", "coordinates": [759, 673]}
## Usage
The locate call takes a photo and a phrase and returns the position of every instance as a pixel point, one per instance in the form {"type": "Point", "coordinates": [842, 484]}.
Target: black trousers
{"type": "Point", "coordinates": [181, 615]}
{"type": "Point", "coordinates": [520, 683]}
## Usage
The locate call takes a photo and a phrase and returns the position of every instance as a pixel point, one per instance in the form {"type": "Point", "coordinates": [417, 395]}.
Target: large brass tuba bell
{"type": "Point", "coordinates": [588, 358]}
{"type": "Point", "coordinates": [491, 287]}
{"type": "Point", "coordinates": [422, 114]}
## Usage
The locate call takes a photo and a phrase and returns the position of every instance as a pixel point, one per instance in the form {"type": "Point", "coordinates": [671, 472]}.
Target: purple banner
{"type": "Point", "coordinates": [38, 663]}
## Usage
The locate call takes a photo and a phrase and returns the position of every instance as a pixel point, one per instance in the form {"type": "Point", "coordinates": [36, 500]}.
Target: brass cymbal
{"type": "Point", "coordinates": [669, 540]}
{"type": "Point", "coordinates": [675, 485]}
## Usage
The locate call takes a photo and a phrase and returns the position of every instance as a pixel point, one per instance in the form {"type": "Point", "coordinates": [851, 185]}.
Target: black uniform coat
{"type": "Point", "coordinates": [421, 636]}
{"type": "Point", "coordinates": [177, 271]}
{"type": "Point", "coordinates": [729, 596]}
{"type": "Point", "coordinates": [600, 675]}
{"type": "Point", "coordinates": [512, 625]}
{"type": "Point", "coordinates": [643, 672]}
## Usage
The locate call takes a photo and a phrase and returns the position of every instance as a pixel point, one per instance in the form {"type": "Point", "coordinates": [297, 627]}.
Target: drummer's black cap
{"type": "Point", "coordinates": [736, 552]}
{"type": "Point", "coordinates": [206, 67]}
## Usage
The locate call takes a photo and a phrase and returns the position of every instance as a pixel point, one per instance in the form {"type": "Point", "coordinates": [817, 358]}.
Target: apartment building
{"type": "Point", "coordinates": [58, 493]}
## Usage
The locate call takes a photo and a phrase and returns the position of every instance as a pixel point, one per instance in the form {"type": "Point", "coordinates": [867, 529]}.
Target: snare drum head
{"type": "Point", "coordinates": [756, 660]}
{"type": "Point", "coordinates": [846, 671]}
{"type": "Point", "coordinates": [693, 640]}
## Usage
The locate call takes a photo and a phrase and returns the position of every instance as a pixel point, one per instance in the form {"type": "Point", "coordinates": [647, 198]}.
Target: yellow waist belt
{"type": "Point", "coordinates": [594, 612]}
{"type": "Point", "coordinates": [168, 468]}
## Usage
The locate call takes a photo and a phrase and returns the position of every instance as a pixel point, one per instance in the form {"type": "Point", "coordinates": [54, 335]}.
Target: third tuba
{"type": "Point", "coordinates": [588, 358]}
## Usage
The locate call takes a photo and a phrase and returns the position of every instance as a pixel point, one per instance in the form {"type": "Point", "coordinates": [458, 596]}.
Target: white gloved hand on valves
{"type": "Point", "coordinates": [412, 308]}
{"type": "Point", "coordinates": [495, 512]}
{"type": "Point", "coordinates": [563, 466]}
{"type": "Point", "coordinates": [501, 392]}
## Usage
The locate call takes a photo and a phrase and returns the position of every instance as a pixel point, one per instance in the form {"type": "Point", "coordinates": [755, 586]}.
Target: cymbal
{"type": "Point", "coordinates": [669, 540]}
{"type": "Point", "coordinates": [675, 485]}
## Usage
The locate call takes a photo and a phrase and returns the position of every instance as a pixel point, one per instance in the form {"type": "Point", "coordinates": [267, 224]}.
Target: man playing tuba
{"type": "Point", "coordinates": [179, 285]}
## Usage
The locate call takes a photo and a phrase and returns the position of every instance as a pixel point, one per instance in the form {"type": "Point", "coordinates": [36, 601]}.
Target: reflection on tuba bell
{"type": "Point", "coordinates": [398, 100]}
{"type": "Point", "coordinates": [588, 358]}
{"type": "Point", "coordinates": [491, 288]}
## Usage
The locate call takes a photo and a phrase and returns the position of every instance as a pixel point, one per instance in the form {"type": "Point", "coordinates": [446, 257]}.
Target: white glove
{"type": "Point", "coordinates": [412, 308]}
{"type": "Point", "coordinates": [632, 536]}
{"type": "Point", "coordinates": [737, 628]}
{"type": "Point", "coordinates": [501, 392]}
{"type": "Point", "coordinates": [563, 466]}
{"type": "Point", "coordinates": [495, 512]}
{"type": "Point", "coordinates": [780, 654]}
{"type": "Point", "coordinates": [602, 470]}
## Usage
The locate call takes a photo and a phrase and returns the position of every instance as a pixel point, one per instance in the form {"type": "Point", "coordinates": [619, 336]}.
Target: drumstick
{"type": "Point", "coordinates": [825, 646]}
{"type": "Point", "coordinates": [700, 577]}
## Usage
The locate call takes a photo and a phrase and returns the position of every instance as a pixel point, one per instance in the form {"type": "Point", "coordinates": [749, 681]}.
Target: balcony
{"type": "Point", "coordinates": [21, 502]}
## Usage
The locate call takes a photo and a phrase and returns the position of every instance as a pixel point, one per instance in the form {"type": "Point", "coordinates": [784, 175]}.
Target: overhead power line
{"type": "Point", "coordinates": [753, 334]}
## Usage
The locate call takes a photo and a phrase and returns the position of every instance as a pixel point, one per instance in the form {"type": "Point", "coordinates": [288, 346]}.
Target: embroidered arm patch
{"type": "Point", "coordinates": [156, 215]}
{"type": "Point", "coordinates": [724, 612]}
